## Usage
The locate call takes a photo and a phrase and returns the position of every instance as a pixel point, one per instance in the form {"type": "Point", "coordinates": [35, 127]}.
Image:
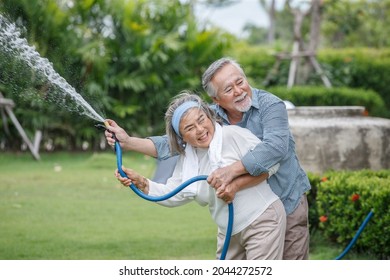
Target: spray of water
{"type": "Point", "coordinates": [59, 91]}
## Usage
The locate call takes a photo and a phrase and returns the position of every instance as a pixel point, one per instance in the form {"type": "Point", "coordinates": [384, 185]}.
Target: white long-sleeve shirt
{"type": "Point", "coordinates": [248, 203]}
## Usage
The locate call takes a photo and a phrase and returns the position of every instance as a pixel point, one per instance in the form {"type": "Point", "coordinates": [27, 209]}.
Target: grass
{"type": "Point", "coordinates": [69, 206]}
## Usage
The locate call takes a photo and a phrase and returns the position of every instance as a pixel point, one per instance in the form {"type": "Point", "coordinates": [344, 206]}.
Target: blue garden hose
{"type": "Point", "coordinates": [225, 248]}
{"type": "Point", "coordinates": [353, 241]}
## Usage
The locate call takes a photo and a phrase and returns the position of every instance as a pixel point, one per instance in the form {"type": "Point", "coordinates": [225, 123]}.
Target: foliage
{"type": "Point", "coordinates": [257, 35]}
{"type": "Point", "coordinates": [359, 68]}
{"type": "Point", "coordinates": [165, 54]}
{"type": "Point", "coordinates": [46, 27]}
{"type": "Point", "coordinates": [256, 61]}
{"type": "Point", "coordinates": [315, 180]}
{"type": "Point", "coordinates": [344, 23]}
{"type": "Point", "coordinates": [345, 198]}
{"type": "Point", "coordinates": [284, 22]}
{"type": "Point", "coordinates": [336, 96]}
{"type": "Point", "coordinates": [356, 23]}
{"type": "Point", "coordinates": [126, 58]}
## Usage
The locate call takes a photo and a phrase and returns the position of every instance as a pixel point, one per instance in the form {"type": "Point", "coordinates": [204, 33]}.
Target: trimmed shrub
{"type": "Point", "coordinates": [343, 201]}
{"type": "Point", "coordinates": [340, 96]}
{"type": "Point", "coordinates": [315, 181]}
{"type": "Point", "coordinates": [359, 68]}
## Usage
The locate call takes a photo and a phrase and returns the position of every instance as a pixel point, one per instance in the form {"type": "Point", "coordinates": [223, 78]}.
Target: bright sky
{"type": "Point", "coordinates": [233, 18]}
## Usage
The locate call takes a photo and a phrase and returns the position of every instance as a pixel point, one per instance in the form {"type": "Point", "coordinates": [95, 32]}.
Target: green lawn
{"type": "Point", "coordinates": [70, 206]}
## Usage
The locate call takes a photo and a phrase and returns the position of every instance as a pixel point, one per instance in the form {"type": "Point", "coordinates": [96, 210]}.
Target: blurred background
{"type": "Point", "coordinates": [128, 58]}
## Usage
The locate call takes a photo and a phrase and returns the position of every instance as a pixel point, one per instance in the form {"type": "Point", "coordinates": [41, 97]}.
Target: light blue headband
{"type": "Point", "coordinates": [177, 115]}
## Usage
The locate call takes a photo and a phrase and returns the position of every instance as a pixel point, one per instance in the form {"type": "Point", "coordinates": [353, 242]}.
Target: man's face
{"type": "Point", "coordinates": [233, 91]}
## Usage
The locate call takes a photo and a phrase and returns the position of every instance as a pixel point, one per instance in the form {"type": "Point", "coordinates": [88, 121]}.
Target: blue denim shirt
{"type": "Point", "coordinates": [268, 120]}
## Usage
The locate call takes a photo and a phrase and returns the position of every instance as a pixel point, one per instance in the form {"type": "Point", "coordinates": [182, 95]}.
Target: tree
{"type": "Point", "coordinates": [257, 35]}
{"type": "Point", "coordinates": [271, 11]}
{"type": "Point", "coordinates": [357, 23]}
{"type": "Point", "coordinates": [126, 57]}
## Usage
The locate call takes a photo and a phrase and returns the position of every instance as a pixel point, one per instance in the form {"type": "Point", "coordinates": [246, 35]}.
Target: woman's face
{"type": "Point", "coordinates": [196, 128]}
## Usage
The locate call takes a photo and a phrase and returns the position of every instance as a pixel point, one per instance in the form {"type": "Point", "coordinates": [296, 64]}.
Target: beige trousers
{"type": "Point", "coordinates": [261, 240]}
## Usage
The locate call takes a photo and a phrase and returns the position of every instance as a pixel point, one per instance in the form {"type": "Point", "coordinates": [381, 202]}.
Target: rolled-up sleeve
{"type": "Point", "coordinates": [162, 146]}
{"type": "Point", "coordinates": [274, 145]}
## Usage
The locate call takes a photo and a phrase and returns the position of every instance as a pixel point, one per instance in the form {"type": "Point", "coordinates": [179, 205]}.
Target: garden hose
{"type": "Point", "coordinates": [118, 151]}
{"type": "Point", "coordinates": [353, 241]}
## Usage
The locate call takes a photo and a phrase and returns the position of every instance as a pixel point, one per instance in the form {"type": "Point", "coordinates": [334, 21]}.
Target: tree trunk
{"type": "Point", "coordinates": [315, 26]}
{"type": "Point", "coordinates": [271, 30]}
{"type": "Point", "coordinates": [314, 41]}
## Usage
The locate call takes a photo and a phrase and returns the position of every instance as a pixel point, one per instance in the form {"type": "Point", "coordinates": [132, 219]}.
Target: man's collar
{"type": "Point", "coordinates": [220, 111]}
{"type": "Point", "coordinates": [255, 98]}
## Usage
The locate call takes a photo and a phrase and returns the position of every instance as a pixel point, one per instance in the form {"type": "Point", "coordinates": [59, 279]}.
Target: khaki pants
{"type": "Point", "coordinates": [261, 240]}
{"type": "Point", "coordinates": [296, 244]}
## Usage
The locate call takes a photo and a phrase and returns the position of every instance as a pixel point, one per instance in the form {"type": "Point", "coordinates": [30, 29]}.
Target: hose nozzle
{"type": "Point", "coordinates": [101, 126]}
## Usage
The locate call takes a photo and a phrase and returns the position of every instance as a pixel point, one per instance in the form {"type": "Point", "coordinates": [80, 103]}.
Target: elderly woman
{"type": "Point", "coordinates": [204, 145]}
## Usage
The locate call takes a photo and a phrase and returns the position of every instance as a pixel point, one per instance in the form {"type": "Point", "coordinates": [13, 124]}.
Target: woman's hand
{"type": "Point", "coordinates": [120, 134]}
{"type": "Point", "coordinates": [133, 178]}
{"type": "Point", "coordinates": [228, 192]}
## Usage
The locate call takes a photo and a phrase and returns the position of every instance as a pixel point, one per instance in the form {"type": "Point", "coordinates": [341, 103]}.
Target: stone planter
{"type": "Point", "coordinates": [340, 138]}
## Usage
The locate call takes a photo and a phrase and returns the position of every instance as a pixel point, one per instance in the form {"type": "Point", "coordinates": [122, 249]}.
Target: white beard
{"type": "Point", "coordinates": [244, 106]}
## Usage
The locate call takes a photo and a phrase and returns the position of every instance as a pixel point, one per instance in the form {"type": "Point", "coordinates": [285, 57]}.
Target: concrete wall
{"type": "Point", "coordinates": [340, 138]}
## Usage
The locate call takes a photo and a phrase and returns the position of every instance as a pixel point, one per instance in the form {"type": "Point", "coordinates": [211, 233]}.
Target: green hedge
{"type": "Point", "coordinates": [359, 68]}
{"type": "Point", "coordinates": [336, 96]}
{"type": "Point", "coordinates": [341, 200]}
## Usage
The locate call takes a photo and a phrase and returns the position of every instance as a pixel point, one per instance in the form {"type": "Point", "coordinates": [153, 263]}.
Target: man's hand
{"type": "Point", "coordinates": [238, 184]}
{"type": "Point", "coordinates": [227, 191]}
{"type": "Point", "coordinates": [222, 177]}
